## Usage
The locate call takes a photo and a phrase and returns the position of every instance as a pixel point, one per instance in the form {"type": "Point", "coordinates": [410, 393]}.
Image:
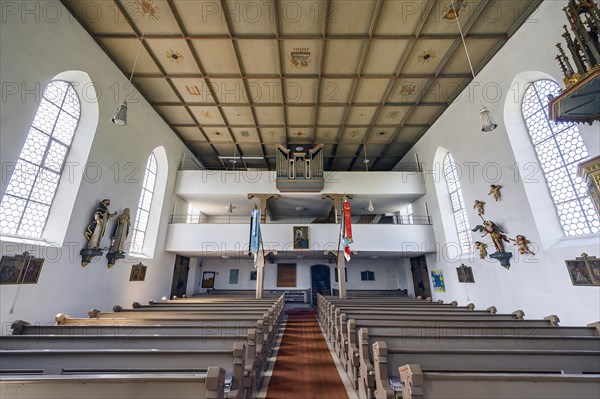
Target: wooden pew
{"type": "Point", "coordinates": [433, 329]}
{"type": "Point", "coordinates": [272, 319]}
{"type": "Point", "coordinates": [334, 331]}
{"type": "Point", "coordinates": [417, 384]}
{"type": "Point", "coordinates": [531, 356]}
{"type": "Point", "coordinates": [265, 337]}
{"type": "Point", "coordinates": [21, 363]}
{"type": "Point", "coordinates": [205, 385]}
{"type": "Point", "coordinates": [254, 359]}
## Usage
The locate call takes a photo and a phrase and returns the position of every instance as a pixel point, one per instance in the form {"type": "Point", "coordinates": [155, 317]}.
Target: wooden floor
{"type": "Point", "coordinates": [304, 368]}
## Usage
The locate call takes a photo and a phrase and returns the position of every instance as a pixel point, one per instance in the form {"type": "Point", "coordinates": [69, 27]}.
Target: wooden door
{"type": "Point", "coordinates": [420, 275]}
{"type": "Point", "coordinates": [180, 276]}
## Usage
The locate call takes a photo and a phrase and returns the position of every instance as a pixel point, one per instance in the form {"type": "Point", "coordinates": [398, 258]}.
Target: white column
{"type": "Point", "coordinates": [259, 274]}
{"type": "Point", "coordinates": [341, 270]}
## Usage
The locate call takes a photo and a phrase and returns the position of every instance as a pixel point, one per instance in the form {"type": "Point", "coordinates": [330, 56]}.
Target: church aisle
{"type": "Point", "coordinates": [304, 368]}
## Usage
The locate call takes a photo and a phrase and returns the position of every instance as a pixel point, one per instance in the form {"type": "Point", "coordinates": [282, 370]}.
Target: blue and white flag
{"type": "Point", "coordinates": [254, 244]}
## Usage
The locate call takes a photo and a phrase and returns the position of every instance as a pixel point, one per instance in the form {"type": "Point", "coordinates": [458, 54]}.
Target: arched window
{"type": "Point", "coordinates": [559, 148]}
{"type": "Point", "coordinates": [143, 212]}
{"type": "Point", "coordinates": [451, 175]}
{"type": "Point", "coordinates": [29, 195]}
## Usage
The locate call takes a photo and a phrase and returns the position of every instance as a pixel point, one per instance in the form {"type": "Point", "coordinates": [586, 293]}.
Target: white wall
{"type": "Point", "coordinates": [213, 239]}
{"type": "Point", "coordinates": [540, 285]}
{"type": "Point", "coordinates": [389, 274]}
{"type": "Point", "coordinates": [31, 54]}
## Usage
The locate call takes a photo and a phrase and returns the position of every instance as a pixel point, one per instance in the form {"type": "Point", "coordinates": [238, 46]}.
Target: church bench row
{"type": "Point", "coordinates": [427, 337]}
{"type": "Point", "coordinates": [577, 354]}
{"type": "Point", "coordinates": [205, 385]}
{"type": "Point", "coordinates": [196, 330]}
{"type": "Point", "coordinates": [336, 322]}
{"type": "Point", "coordinates": [448, 330]}
{"type": "Point", "coordinates": [417, 384]}
{"type": "Point", "coordinates": [254, 359]}
{"type": "Point", "coordinates": [129, 361]}
{"type": "Point", "coordinates": [375, 382]}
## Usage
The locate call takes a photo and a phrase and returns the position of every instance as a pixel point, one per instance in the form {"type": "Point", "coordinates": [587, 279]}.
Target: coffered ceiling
{"type": "Point", "coordinates": [239, 76]}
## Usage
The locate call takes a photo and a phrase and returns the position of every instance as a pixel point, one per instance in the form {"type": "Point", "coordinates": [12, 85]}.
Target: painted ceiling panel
{"type": "Point", "coordinates": [308, 72]}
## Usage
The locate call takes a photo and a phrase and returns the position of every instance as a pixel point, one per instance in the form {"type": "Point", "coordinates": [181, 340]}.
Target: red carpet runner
{"type": "Point", "coordinates": [304, 368]}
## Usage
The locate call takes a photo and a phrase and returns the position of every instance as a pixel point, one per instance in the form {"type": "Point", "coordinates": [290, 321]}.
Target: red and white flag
{"type": "Point", "coordinates": [346, 231]}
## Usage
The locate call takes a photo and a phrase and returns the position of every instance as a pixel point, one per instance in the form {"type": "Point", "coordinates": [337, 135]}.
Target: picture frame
{"type": "Point", "coordinates": [234, 275]}
{"type": "Point", "coordinates": [437, 280]}
{"type": "Point", "coordinates": [300, 237]}
{"type": "Point", "coordinates": [465, 274]}
{"type": "Point", "coordinates": [138, 272]}
{"type": "Point", "coordinates": [584, 270]}
{"type": "Point", "coordinates": [208, 279]}
{"type": "Point", "coordinates": [18, 269]}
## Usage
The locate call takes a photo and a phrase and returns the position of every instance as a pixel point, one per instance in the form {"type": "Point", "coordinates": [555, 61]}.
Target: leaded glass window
{"type": "Point", "coordinates": [451, 175]}
{"type": "Point", "coordinates": [143, 213]}
{"type": "Point", "coordinates": [559, 148]}
{"type": "Point", "coordinates": [30, 192]}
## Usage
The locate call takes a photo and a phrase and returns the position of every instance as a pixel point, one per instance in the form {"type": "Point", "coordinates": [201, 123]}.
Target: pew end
{"type": "Point", "coordinates": [411, 378]}
{"type": "Point", "coordinates": [553, 319]}
{"type": "Point", "coordinates": [18, 326]}
{"type": "Point", "coordinates": [93, 314]}
{"type": "Point", "coordinates": [492, 310]}
{"type": "Point", "coordinates": [61, 318]}
{"type": "Point", "coordinates": [117, 308]}
{"type": "Point", "coordinates": [382, 388]}
{"type": "Point", "coordinates": [137, 305]}
{"type": "Point", "coordinates": [518, 314]}
{"type": "Point", "coordinates": [596, 325]}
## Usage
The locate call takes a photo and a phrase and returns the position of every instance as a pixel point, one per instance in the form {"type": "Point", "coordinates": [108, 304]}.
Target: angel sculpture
{"type": "Point", "coordinates": [496, 233]}
{"type": "Point", "coordinates": [482, 249]}
{"type": "Point", "coordinates": [523, 245]}
{"type": "Point", "coordinates": [478, 206]}
{"type": "Point", "coordinates": [495, 191]}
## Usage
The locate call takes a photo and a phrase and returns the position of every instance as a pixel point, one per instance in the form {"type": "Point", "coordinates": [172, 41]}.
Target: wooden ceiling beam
{"type": "Point", "coordinates": [190, 37]}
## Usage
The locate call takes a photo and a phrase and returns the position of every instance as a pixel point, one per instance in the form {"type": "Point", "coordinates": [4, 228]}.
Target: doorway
{"type": "Point", "coordinates": [180, 276]}
{"type": "Point", "coordinates": [320, 277]}
{"type": "Point", "coordinates": [420, 275]}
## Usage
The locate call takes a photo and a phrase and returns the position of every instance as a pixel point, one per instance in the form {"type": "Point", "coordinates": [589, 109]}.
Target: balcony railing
{"type": "Point", "coordinates": [368, 218]}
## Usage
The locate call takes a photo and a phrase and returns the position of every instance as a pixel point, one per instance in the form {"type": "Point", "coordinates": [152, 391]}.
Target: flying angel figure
{"type": "Point", "coordinates": [497, 235]}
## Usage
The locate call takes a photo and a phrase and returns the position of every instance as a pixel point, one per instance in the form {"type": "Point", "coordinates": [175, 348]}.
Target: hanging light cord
{"type": "Point", "coordinates": [137, 55]}
{"type": "Point", "coordinates": [462, 37]}
{"type": "Point", "coordinates": [366, 159]}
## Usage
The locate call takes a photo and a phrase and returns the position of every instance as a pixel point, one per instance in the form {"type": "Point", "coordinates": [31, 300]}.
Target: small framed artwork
{"type": "Point", "coordinates": [234, 275]}
{"type": "Point", "coordinates": [20, 269]}
{"type": "Point", "coordinates": [138, 272]}
{"type": "Point", "coordinates": [208, 280]}
{"type": "Point", "coordinates": [465, 274]}
{"type": "Point", "coordinates": [584, 270]}
{"type": "Point", "coordinates": [300, 237]}
{"type": "Point", "coordinates": [437, 280]}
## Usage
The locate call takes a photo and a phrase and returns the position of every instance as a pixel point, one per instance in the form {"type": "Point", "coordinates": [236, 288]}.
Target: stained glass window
{"type": "Point", "coordinates": [559, 148]}
{"type": "Point", "coordinates": [26, 203]}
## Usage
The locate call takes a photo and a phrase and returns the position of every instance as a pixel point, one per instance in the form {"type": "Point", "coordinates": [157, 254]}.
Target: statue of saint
{"type": "Point", "coordinates": [121, 232]}
{"type": "Point", "coordinates": [95, 230]}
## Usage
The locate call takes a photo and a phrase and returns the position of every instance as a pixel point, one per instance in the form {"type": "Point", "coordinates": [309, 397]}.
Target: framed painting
{"type": "Point", "coordinates": [301, 238]}
{"type": "Point", "coordinates": [234, 275]}
{"type": "Point", "coordinates": [208, 279]}
{"type": "Point", "coordinates": [465, 274]}
{"type": "Point", "coordinates": [19, 269]}
{"type": "Point", "coordinates": [138, 272]}
{"type": "Point", "coordinates": [437, 280]}
{"type": "Point", "coordinates": [579, 273]}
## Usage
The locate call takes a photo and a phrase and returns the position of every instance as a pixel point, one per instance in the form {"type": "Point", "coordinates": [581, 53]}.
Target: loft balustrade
{"type": "Point", "coordinates": [300, 171]}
